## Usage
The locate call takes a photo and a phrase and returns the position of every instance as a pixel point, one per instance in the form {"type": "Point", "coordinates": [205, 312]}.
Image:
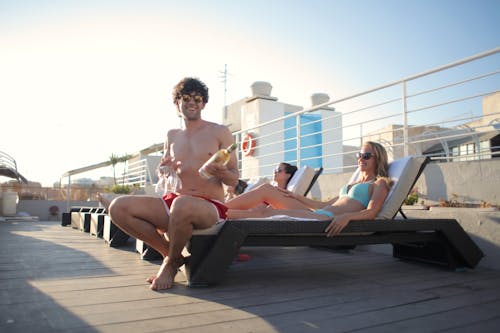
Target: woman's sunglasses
{"type": "Point", "coordinates": [365, 156]}
{"type": "Point", "coordinates": [197, 98]}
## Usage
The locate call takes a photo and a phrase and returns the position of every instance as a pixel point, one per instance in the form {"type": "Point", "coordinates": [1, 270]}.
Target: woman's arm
{"type": "Point", "coordinates": [380, 191]}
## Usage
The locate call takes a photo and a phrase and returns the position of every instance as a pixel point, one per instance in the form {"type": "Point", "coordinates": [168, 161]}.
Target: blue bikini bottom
{"type": "Point", "coordinates": [324, 212]}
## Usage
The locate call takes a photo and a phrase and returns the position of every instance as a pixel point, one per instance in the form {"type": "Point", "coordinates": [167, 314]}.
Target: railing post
{"type": "Point", "coordinates": [361, 133]}
{"type": "Point", "coordinates": [297, 121]}
{"type": "Point", "coordinates": [68, 194]}
{"type": "Point", "coordinates": [405, 122]}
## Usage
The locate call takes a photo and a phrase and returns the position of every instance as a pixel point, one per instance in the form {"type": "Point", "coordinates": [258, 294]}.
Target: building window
{"type": "Point", "coordinates": [471, 152]}
{"type": "Point", "coordinates": [455, 153]}
{"type": "Point", "coordinates": [485, 149]}
{"type": "Point", "coordinates": [463, 152]}
{"type": "Point", "coordinates": [310, 140]}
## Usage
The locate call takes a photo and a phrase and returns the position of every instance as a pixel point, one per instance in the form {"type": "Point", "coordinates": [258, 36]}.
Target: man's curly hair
{"type": "Point", "coordinates": [189, 85]}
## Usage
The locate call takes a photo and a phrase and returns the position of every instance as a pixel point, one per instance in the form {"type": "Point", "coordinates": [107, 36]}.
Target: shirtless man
{"type": "Point", "coordinates": [167, 223]}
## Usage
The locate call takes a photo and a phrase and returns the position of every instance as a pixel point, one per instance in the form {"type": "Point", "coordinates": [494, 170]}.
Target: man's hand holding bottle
{"type": "Point", "coordinates": [216, 170]}
{"type": "Point", "coordinates": [216, 164]}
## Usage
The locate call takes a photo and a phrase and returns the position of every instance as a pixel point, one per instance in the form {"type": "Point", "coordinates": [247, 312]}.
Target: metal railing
{"type": "Point", "coordinates": [7, 161]}
{"type": "Point", "coordinates": [137, 174]}
{"type": "Point", "coordinates": [8, 167]}
{"type": "Point", "coordinates": [450, 113]}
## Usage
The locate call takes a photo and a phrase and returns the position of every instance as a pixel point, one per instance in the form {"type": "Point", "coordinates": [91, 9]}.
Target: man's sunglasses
{"type": "Point", "coordinates": [365, 156]}
{"type": "Point", "coordinates": [197, 98]}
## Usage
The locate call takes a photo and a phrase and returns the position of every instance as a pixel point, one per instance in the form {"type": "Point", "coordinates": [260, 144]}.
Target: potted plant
{"type": "Point", "coordinates": [53, 212]}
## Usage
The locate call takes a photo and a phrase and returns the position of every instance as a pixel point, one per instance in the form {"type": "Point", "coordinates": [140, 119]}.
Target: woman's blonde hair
{"type": "Point", "coordinates": [382, 160]}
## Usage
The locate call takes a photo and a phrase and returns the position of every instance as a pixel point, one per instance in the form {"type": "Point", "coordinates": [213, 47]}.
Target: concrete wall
{"type": "Point", "coordinates": [471, 181]}
{"type": "Point", "coordinates": [40, 208]}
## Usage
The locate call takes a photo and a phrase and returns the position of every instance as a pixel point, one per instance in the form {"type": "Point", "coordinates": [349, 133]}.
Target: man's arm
{"type": "Point", "coordinates": [166, 159]}
{"type": "Point", "coordinates": [228, 174]}
{"type": "Point", "coordinates": [166, 147]}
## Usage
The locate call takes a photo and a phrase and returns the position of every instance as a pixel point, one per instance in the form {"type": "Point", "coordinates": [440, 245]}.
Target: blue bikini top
{"type": "Point", "coordinates": [359, 192]}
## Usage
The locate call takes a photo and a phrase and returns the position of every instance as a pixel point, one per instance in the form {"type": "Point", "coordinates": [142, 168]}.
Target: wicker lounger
{"type": "Point", "coordinates": [441, 241]}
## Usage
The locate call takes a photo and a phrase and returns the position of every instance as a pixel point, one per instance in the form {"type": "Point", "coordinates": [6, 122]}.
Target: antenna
{"type": "Point", "coordinates": [224, 80]}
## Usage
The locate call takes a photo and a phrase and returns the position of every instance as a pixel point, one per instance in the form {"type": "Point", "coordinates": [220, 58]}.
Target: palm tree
{"type": "Point", "coordinates": [113, 159]}
{"type": "Point", "coordinates": [124, 159]}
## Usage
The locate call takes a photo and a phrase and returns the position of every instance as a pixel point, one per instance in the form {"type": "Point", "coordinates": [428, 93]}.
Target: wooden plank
{"type": "Point", "coordinates": [465, 318]}
{"type": "Point", "coordinates": [389, 316]}
{"type": "Point", "coordinates": [483, 326]}
{"type": "Point", "coordinates": [57, 278]}
{"type": "Point", "coordinates": [362, 315]}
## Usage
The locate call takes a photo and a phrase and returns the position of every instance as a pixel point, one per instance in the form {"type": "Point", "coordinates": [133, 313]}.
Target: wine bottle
{"type": "Point", "coordinates": [221, 157]}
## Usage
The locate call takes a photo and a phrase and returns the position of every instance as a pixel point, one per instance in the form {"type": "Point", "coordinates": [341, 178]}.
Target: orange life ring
{"type": "Point", "coordinates": [248, 145]}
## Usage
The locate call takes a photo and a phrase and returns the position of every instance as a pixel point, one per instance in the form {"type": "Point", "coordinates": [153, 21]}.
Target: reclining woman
{"type": "Point", "coordinates": [256, 197]}
{"type": "Point", "coordinates": [283, 173]}
{"type": "Point", "coordinates": [360, 200]}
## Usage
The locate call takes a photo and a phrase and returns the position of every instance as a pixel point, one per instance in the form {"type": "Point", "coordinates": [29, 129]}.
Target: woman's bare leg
{"type": "Point", "coordinates": [264, 193]}
{"type": "Point", "coordinates": [235, 214]}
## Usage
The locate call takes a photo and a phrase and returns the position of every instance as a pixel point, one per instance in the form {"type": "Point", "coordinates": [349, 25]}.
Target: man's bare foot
{"type": "Point", "coordinates": [164, 279]}
{"type": "Point", "coordinates": [152, 277]}
{"type": "Point", "coordinates": [105, 199]}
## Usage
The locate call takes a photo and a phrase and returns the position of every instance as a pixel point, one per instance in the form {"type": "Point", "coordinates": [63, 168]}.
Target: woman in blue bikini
{"type": "Point", "coordinates": [361, 200]}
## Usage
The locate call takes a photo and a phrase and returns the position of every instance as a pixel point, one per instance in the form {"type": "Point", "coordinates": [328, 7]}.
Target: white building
{"type": "Point", "coordinates": [278, 133]}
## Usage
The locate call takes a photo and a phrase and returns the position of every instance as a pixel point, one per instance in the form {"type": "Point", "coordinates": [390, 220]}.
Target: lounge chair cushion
{"type": "Point", "coordinates": [403, 173]}
{"type": "Point", "coordinates": [301, 180]}
{"type": "Point", "coordinates": [255, 182]}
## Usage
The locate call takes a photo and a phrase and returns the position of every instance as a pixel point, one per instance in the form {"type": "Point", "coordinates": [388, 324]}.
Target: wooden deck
{"type": "Point", "coordinates": [57, 279]}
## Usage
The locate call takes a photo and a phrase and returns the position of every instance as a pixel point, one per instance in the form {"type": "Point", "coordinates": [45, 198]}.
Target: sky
{"type": "Point", "coordinates": [82, 80]}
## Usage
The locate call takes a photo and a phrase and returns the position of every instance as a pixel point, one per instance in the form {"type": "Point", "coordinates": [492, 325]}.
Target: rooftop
{"type": "Point", "coordinates": [59, 279]}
